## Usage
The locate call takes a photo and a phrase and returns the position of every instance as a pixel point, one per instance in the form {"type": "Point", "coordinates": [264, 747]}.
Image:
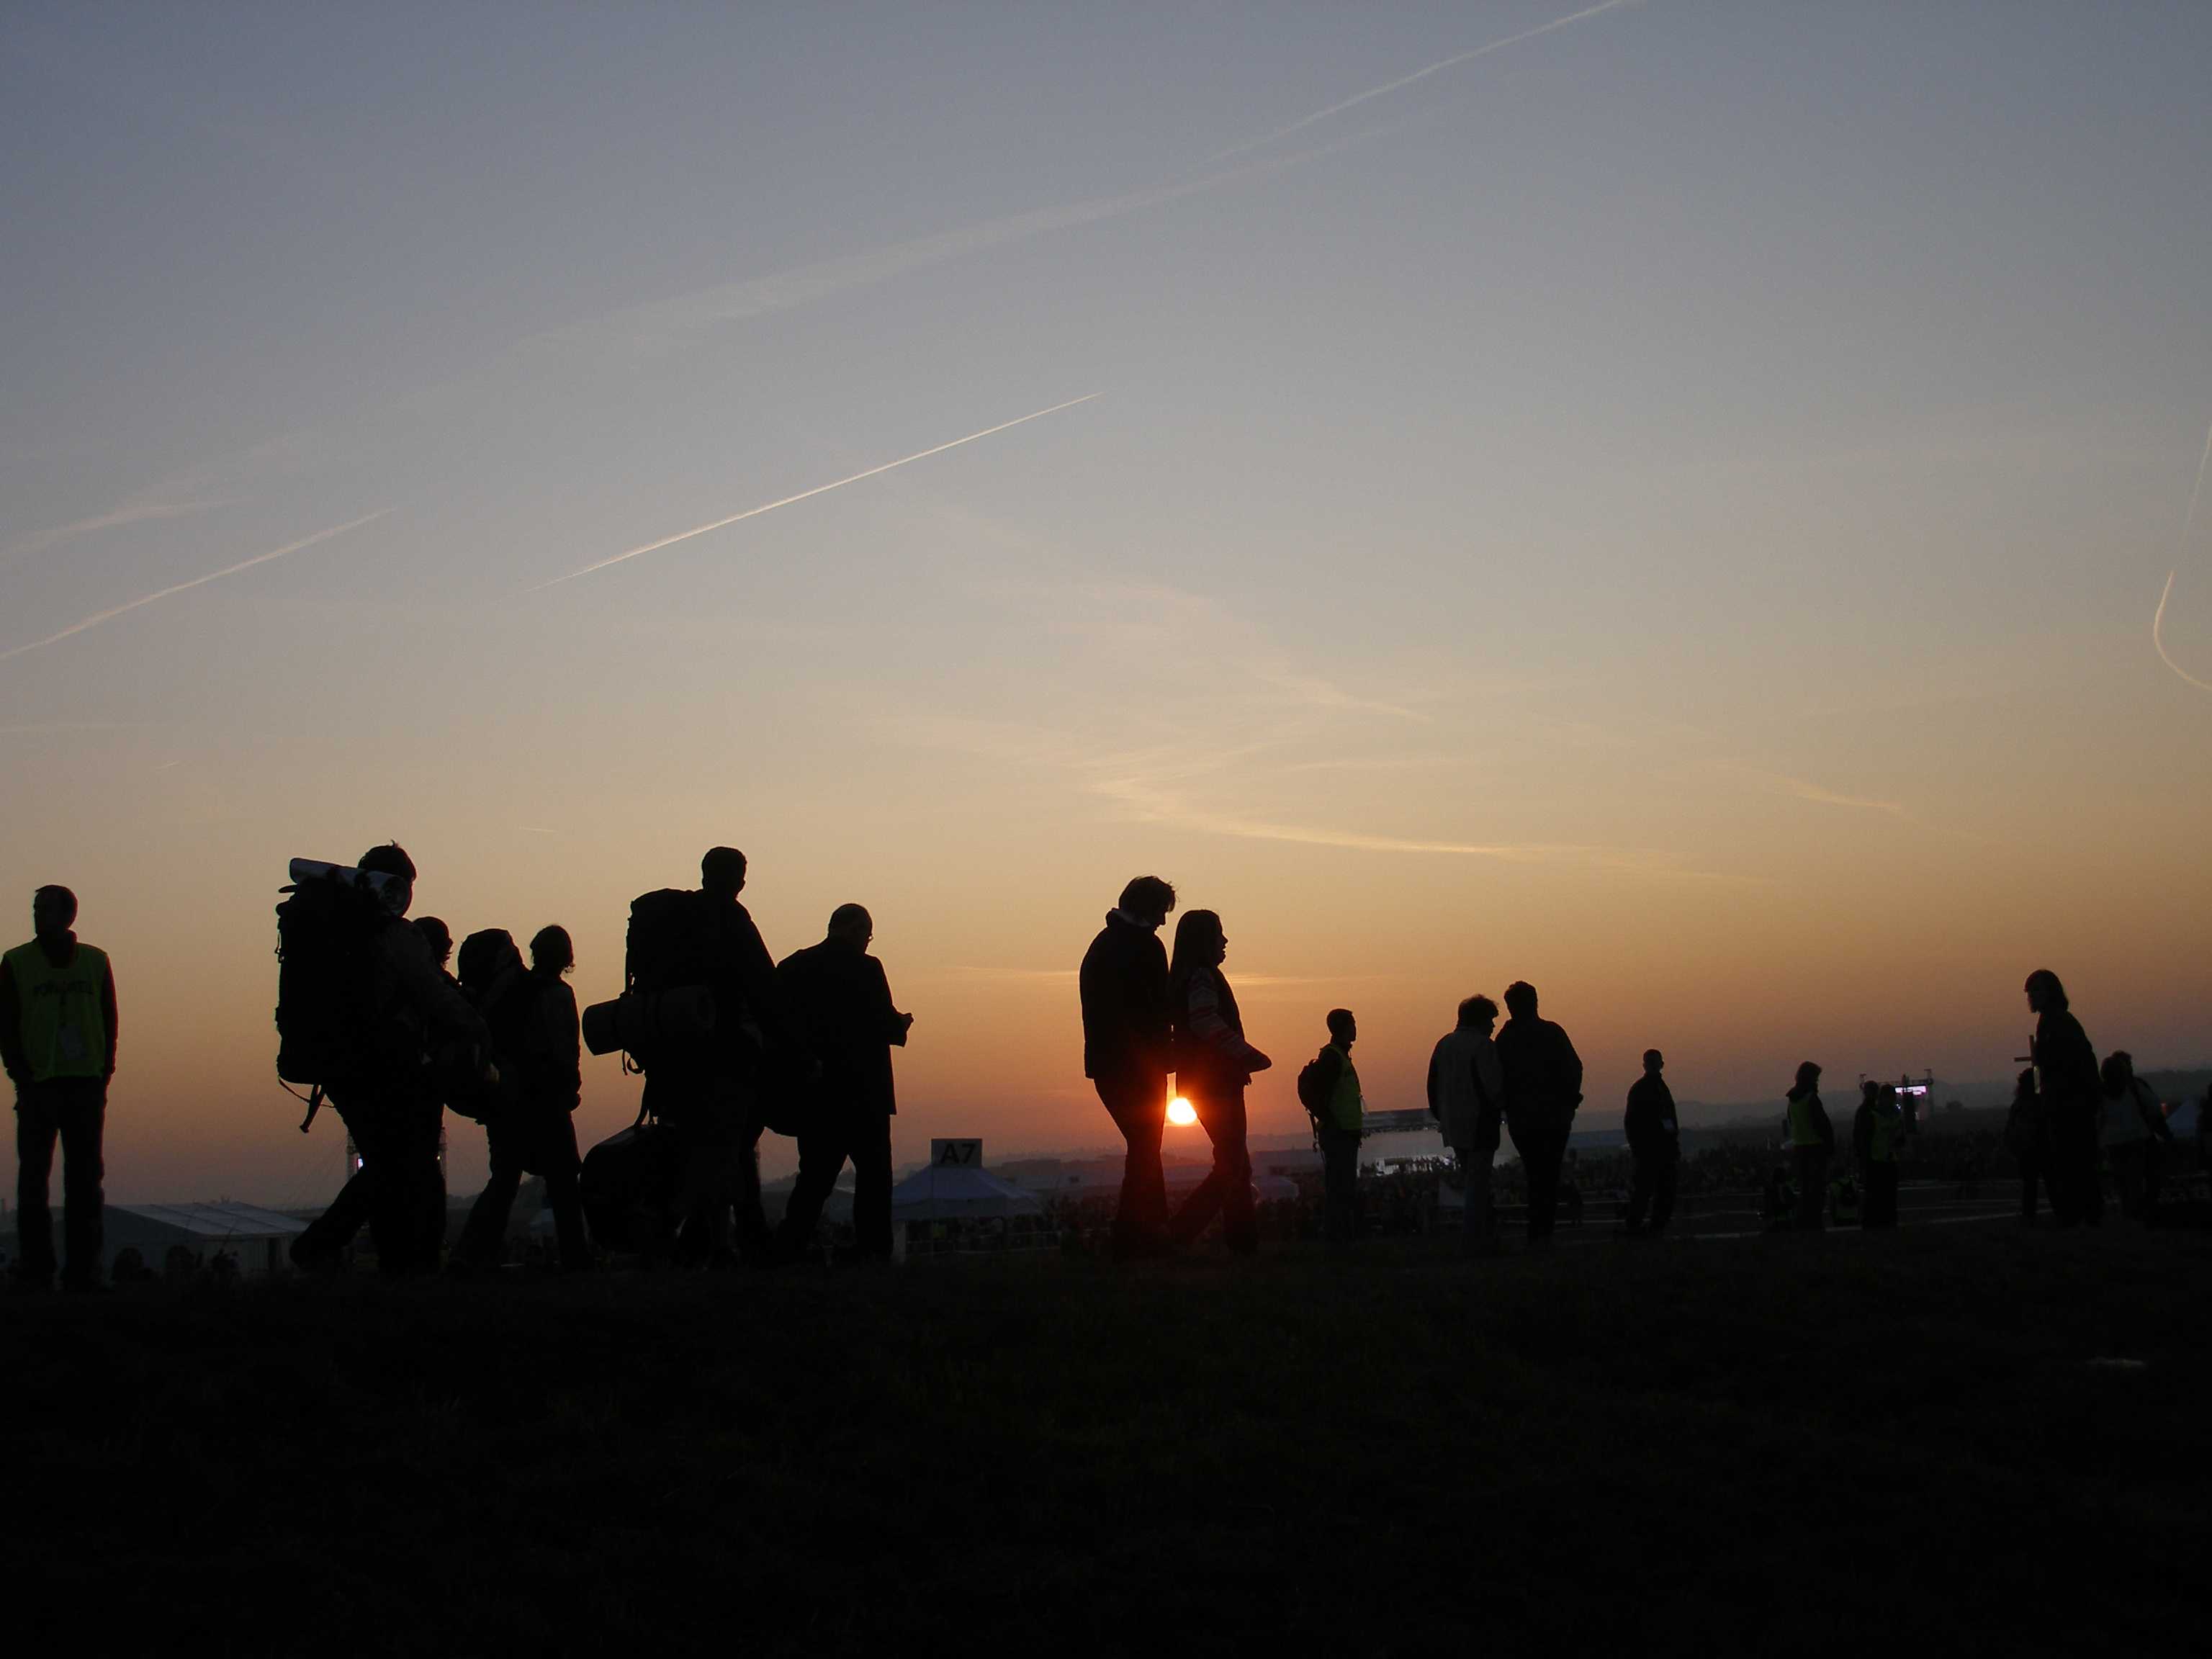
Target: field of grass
{"type": "Point", "coordinates": [1756, 1446]}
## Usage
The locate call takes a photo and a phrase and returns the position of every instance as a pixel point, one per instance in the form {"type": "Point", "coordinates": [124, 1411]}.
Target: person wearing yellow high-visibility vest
{"type": "Point", "coordinates": [57, 1041]}
{"type": "Point", "coordinates": [1812, 1140]}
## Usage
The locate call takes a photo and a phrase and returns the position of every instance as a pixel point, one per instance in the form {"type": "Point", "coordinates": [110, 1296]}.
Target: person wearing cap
{"type": "Point", "coordinates": [58, 1024]}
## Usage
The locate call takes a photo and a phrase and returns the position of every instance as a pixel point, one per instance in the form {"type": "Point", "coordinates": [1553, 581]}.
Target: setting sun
{"type": "Point", "coordinates": [1182, 1113]}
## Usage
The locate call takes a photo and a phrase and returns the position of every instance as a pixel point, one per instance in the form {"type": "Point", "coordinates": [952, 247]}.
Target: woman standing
{"type": "Point", "coordinates": [1212, 1064]}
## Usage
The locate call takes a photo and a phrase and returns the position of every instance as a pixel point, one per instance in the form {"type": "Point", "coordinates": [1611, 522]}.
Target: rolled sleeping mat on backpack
{"type": "Point", "coordinates": [636, 1021]}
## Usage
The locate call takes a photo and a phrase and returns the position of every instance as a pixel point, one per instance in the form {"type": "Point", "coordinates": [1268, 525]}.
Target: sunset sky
{"type": "Point", "coordinates": [1671, 508]}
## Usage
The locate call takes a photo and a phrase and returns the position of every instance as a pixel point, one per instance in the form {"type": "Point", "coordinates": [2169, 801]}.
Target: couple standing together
{"type": "Point", "coordinates": [1144, 1017]}
{"type": "Point", "coordinates": [1530, 1079]}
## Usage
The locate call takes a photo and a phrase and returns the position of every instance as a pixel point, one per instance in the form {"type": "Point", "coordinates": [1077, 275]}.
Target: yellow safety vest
{"type": "Point", "coordinates": [1802, 1130]}
{"type": "Point", "coordinates": [1344, 1104]}
{"type": "Point", "coordinates": [1881, 1145]}
{"type": "Point", "coordinates": [64, 1028]}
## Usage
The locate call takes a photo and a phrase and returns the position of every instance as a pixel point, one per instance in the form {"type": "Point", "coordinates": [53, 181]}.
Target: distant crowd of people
{"type": "Point", "coordinates": [733, 1043]}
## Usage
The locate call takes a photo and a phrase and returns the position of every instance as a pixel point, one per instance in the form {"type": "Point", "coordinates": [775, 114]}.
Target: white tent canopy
{"type": "Point", "coordinates": [949, 1193]}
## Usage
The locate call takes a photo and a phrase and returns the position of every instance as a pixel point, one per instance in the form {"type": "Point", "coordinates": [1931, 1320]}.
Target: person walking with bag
{"type": "Point", "coordinates": [1214, 1065]}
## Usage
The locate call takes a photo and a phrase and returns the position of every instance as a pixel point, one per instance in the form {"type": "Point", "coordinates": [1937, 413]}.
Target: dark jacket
{"type": "Point", "coordinates": [2065, 1064]}
{"type": "Point", "coordinates": [1649, 1119]}
{"type": "Point", "coordinates": [839, 1004]}
{"type": "Point", "coordinates": [408, 988]}
{"type": "Point", "coordinates": [1543, 1072]}
{"type": "Point", "coordinates": [742, 975]}
{"type": "Point", "coordinates": [1124, 987]}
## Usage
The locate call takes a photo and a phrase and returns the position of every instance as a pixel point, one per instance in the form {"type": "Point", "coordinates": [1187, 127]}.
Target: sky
{"type": "Point", "coordinates": [1671, 508]}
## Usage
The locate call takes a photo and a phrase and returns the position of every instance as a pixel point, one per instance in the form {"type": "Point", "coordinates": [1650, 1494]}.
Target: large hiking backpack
{"type": "Point", "coordinates": [667, 962]}
{"type": "Point", "coordinates": [326, 930]}
{"type": "Point", "coordinates": [497, 983]}
{"type": "Point", "coordinates": [669, 947]}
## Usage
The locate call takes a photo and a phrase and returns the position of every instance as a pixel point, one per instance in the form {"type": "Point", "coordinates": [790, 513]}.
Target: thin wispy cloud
{"type": "Point", "coordinates": [663, 323]}
{"type": "Point", "coordinates": [1405, 80]}
{"type": "Point", "coordinates": [1150, 787]}
{"type": "Point", "coordinates": [175, 589]}
{"type": "Point", "coordinates": [2158, 617]}
{"type": "Point", "coordinates": [44, 728]}
{"type": "Point", "coordinates": [1799, 788]}
{"type": "Point", "coordinates": [115, 518]}
{"type": "Point", "coordinates": [808, 494]}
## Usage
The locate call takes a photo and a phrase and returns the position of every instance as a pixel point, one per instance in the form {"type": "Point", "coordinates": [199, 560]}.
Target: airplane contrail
{"type": "Point", "coordinates": [1437, 67]}
{"type": "Point", "coordinates": [2158, 617]}
{"type": "Point", "coordinates": [111, 614]}
{"type": "Point", "coordinates": [807, 494]}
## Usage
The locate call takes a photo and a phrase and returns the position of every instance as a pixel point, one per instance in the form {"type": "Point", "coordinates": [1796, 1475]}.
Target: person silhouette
{"type": "Point", "coordinates": [1123, 988]}
{"type": "Point", "coordinates": [532, 1016]}
{"type": "Point", "coordinates": [2071, 1089]}
{"type": "Point", "coordinates": [1655, 1148]}
{"type": "Point", "coordinates": [839, 1004]}
{"type": "Point", "coordinates": [2135, 1127]}
{"type": "Point", "coordinates": [1467, 1097]}
{"type": "Point", "coordinates": [388, 1097]}
{"type": "Point", "coordinates": [1812, 1143]}
{"type": "Point", "coordinates": [1543, 1088]}
{"type": "Point", "coordinates": [1339, 1124]}
{"type": "Point", "coordinates": [1213, 1063]}
{"type": "Point", "coordinates": [58, 1028]}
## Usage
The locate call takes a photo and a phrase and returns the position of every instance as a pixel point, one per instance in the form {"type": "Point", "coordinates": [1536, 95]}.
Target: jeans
{"type": "Point", "coordinates": [1812, 1174]}
{"type": "Point", "coordinates": [400, 1190]}
{"type": "Point", "coordinates": [72, 1109]}
{"type": "Point", "coordinates": [1651, 1188]}
{"type": "Point", "coordinates": [2077, 1186]}
{"type": "Point", "coordinates": [2134, 1175]}
{"type": "Point", "coordinates": [840, 1130]}
{"type": "Point", "coordinates": [1542, 1144]}
{"type": "Point", "coordinates": [1879, 1209]}
{"type": "Point", "coordinates": [1138, 1103]}
{"type": "Point", "coordinates": [1227, 1189]}
{"type": "Point", "coordinates": [521, 1144]}
{"type": "Point", "coordinates": [1479, 1219]}
{"type": "Point", "coordinates": [1339, 1165]}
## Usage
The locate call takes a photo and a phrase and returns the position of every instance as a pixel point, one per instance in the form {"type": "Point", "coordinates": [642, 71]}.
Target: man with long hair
{"type": "Point", "coordinates": [1213, 1063]}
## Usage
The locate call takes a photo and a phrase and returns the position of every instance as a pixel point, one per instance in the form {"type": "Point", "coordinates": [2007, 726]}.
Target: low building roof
{"type": "Point", "coordinates": [215, 1220]}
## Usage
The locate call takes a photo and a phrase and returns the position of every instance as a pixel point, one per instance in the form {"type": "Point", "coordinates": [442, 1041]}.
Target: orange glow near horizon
{"type": "Point", "coordinates": [1182, 1113]}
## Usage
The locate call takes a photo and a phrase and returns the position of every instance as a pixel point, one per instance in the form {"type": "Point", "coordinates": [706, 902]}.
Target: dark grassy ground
{"type": "Point", "coordinates": [1754, 1447]}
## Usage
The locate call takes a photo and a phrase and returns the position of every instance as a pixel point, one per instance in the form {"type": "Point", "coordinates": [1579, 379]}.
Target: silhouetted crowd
{"type": "Point", "coordinates": [734, 1044]}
